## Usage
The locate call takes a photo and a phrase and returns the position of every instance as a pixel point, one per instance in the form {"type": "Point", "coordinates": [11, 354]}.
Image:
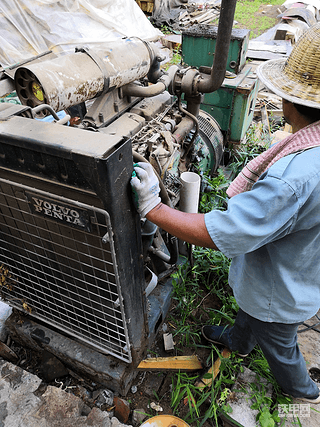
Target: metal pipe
{"type": "Point", "coordinates": [186, 125]}
{"type": "Point", "coordinates": [134, 89]}
{"type": "Point", "coordinates": [47, 107]}
{"type": "Point", "coordinates": [163, 83]}
{"type": "Point", "coordinates": [174, 250]}
{"type": "Point", "coordinates": [211, 83]}
{"type": "Point", "coordinates": [183, 128]}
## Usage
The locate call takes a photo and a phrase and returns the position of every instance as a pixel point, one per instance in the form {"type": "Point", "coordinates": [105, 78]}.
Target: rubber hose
{"type": "Point", "coordinates": [174, 252]}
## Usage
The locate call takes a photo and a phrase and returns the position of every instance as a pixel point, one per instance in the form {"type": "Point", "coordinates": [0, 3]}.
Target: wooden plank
{"type": "Point", "coordinates": [275, 46]}
{"type": "Point", "coordinates": [287, 128]}
{"type": "Point", "coordinates": [146, 6]}
{"type": "Point", "coordinates": [265, 119]}
{"type": "Point", "coordinates": [213, 371]}
{"type": "Point", "coordinates": [176, 363]}
{"type": "Point", "coordinates": [279, 135]}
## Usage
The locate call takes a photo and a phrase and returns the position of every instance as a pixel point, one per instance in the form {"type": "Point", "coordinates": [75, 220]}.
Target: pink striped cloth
{"type": "Point", "coordinates": [306, 137]}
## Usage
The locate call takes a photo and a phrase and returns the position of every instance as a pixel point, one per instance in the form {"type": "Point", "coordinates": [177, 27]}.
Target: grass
{"type": "Point", "coordinates": [194, 287]}
{"type": "Point", "coordinates": [202, 294]}
{"type": "Point", "coordinates": [247, 16]}
{"type": "Point", "coordinates": [176, 58]}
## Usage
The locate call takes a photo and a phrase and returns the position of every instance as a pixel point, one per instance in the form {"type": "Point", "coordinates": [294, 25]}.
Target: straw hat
{"type": "Point", "coordinates": [297, 78]}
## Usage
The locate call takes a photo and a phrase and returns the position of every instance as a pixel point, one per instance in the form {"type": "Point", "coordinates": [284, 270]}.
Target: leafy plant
{"type": "Point", "coordinates": [214, 194]}
{"type": "Point", "coordinates": [266, 418]}
{"type": "Point", "coordinates": [176, 57]}
{"type": "Point", "coordinates": [165, 29]}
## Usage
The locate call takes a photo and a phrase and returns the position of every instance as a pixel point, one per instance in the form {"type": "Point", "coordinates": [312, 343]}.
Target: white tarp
{"type": "Point", "coordinates": [30, 27]}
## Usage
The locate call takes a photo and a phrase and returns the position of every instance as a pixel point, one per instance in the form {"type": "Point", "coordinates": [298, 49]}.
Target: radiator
{"type": "Point", "coordinates": [71, 251]}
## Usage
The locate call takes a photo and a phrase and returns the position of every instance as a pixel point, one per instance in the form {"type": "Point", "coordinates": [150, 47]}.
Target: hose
{"type": "Point", "coordinates": [174, 250]}
{"type": "Point", "coordinates": [163, 192]}
{"type": "Point", "coordinates": [47, 107]}
{"type": "Point", "coordinates": [133, 89]}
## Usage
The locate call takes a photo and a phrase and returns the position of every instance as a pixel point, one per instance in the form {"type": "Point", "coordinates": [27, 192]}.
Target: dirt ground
{"type": "Point", "coordinates": [265, 10]}
{"type": "Point", "coordinates": [272, 11]}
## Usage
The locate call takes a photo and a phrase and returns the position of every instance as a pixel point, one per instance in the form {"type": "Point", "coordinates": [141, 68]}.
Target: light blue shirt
{"type": "Point", "coordinates": [272, 234]}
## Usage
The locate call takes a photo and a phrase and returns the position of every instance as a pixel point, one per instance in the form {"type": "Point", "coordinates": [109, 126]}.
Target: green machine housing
{"type": "Point", "coordinates": [232, 105]}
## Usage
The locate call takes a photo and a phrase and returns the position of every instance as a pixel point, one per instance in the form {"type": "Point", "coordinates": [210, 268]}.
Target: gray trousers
{"type": "Point", "coordinates": [278, 342]}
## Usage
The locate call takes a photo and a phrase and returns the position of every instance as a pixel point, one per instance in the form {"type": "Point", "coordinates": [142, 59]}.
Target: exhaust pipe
{"type": "Point", "coordinates": [212, 82]}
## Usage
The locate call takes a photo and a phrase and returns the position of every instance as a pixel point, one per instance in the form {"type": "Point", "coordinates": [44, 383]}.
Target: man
{"type": "Point", "coordinates": [271, 228]}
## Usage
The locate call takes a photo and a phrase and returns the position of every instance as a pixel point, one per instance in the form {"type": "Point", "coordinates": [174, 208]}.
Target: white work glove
{"type": "Point", "coordinates": [145, 187]}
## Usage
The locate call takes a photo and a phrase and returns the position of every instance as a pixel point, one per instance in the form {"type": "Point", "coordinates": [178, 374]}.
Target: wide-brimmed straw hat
{"type": "Point", "coordinates": [296, 78]}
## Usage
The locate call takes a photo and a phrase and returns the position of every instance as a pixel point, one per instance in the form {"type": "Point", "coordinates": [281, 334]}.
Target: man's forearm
{"type": "Point", "coordinates": [186, 226]}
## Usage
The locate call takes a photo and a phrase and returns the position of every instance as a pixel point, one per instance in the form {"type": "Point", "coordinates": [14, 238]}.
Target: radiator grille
{"type": "Point", "coordinates": [61, 259]}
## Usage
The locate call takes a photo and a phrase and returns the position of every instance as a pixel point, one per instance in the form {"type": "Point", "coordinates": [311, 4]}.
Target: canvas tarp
{"type": "Point", "coordinates": [31, 27]}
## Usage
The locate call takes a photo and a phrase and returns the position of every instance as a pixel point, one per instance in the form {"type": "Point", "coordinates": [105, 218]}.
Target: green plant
{"type": "Point", "coordinates": [244, 153]}
{"type": "Point", "coordinates": [266, 418]}
{"type": "Point", "coordinates": [176, 57]}
{"type": "Point", "coordinates": [209, 402]}
{"type": "Point", "coordinates": [247, 16]}
{"type": "Point", "coordinates": [263, 404]}
{"type": "Point", "coordinates": [165, 29]}
{"type": "Point", "coordinates": [214, 195]}
{"type": "Point", "coordinates": [208, 279]}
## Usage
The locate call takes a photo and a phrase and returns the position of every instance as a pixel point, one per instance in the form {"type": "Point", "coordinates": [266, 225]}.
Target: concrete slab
{"type": "Point", "coordinates": [5, 311]}
{"type": "Point", "coordinates": [17, 398]}
{"type": "Point", "coordinates": [23, 405]}
{"type": "Point", "coordinates": [243, 389]}
{"type": "Point", "coordinates": [100, 368]}
{"type": "Point", "coordinates": [308, 415]}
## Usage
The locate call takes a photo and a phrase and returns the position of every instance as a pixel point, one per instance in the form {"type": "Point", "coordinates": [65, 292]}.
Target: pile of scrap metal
{"type": "Point", "coordinates": [294, 18]}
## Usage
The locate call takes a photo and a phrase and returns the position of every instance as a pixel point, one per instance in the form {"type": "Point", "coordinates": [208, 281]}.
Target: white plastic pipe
{"type": "Point", "coordinates": [190, 192]}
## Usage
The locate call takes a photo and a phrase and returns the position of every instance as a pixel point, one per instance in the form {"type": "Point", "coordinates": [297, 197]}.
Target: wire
{"type": "Point", "coordinates": [313, 327]}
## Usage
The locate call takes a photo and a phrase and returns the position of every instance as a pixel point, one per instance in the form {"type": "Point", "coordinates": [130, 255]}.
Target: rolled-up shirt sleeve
{"type": "Point", "coordinates": [254, 218]}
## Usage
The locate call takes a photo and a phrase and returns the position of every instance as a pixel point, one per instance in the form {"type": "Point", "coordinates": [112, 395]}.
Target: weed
{"type": "Point", "coordinates": [245, 152]}
{"type": "Point", "coordinates": [246, 16]}
{"type": "Point", "coordinates": [165, 29]}
{"type": "Point", "coordinates": [208, 279]}
{"type": "Point", "coordinates": [209, 402]}
{"type": "Point", "coordinates": [214, 194]}
{"type": "Point", "coordinates": [176, 58]}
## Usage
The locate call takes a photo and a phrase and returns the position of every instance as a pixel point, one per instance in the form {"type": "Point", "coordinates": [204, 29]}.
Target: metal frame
{"type": "Point", "coordinates": [68, 272]}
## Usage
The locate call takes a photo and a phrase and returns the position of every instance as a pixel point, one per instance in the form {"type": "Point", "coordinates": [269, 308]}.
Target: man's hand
{"type": "Point", "coordinates": [145, 187]}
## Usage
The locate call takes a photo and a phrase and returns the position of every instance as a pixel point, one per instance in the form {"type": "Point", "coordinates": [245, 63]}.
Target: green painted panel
{"type": "Point", "coordinates": [232, 104]}
{"type": "Point", "coordinates": [243, 108]}
{"type": "Point", "coordinates": [221, 115]}
{"type": "Point", "coordinates": [221, 97]}
{"type": "Point", "coordinates": [198, 46]}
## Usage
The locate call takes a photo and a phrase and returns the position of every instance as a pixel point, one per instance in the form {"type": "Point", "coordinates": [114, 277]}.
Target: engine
{"type": "Point", "coordinates": [74, 253]}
